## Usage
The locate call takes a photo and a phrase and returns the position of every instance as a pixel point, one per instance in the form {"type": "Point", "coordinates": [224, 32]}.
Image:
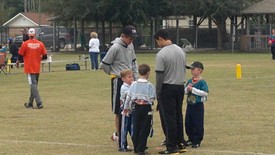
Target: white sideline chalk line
{"type": "Point", "coordinates": [232, 152]}
{"type": "Point", "coordinates": [52, 143]}
{"type": "Point", "coordinates": [89, 145]}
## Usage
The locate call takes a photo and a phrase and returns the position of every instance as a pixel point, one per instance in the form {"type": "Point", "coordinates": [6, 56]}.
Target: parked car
{"type": "Point", "coordinates": [18, 40]}
{"type": "Point", "coordinates": [186, 45]}
{"type": "Point", "coordinates": [46, 35]}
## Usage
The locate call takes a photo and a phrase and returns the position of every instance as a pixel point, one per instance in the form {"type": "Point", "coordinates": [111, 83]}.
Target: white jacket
{"type": "Point", "coordinates": [94, 45]}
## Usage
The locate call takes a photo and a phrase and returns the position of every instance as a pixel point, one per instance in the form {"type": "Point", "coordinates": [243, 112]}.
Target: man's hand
{"type": "Point", "coordinates": [17, 64]}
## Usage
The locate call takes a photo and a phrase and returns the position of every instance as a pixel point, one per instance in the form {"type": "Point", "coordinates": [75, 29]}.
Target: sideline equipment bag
{"type": "Point", "coordinates": [74, 66]}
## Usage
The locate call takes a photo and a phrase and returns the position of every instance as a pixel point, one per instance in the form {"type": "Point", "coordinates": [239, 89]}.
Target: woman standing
{"type": "Point", "coordinates": [94, 50]}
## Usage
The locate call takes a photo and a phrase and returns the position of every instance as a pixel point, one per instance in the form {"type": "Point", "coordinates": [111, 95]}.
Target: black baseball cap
{"type": "Point", "coordinates": [130, 31]}
{"type": "Point", "coordinates": [195, 64]}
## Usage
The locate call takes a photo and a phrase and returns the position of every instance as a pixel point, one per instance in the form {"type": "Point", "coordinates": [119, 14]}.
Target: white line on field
{"type": "Point", "coordinates": [89, 145]}
{"type": "Point", "coordinates": [232, 152]}
{"type": "Point", "coordinates": [52, 143]}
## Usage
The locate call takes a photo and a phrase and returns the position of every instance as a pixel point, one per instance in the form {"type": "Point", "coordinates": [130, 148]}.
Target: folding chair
{"type": "Point", "coordinates": [3, 63]}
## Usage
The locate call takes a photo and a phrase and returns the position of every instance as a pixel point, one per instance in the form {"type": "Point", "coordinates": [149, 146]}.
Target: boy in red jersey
{"type": "Point", "coordinates": [32, 51]}
{"type": "Point", "coordinates": [271, 43]}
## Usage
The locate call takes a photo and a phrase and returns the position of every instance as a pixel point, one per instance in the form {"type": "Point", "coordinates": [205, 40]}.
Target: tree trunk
{"type": "Point", "coordinates": [210, 24]}
{"type": "Point", "coordinates": [75, 34]}
{"type": "Point", "coordinates": [96, 25]}
{"type": "Point", "coordinates": [25, 5]}
{"type": "Point", "coordinates": [110, 33]}
{"type": "Point", "coordinates": [194, 32]}
{"type": "Point", "coordinates": [82, 36]}
{"type": "Point", "coordinates": [152, 33]}
{"type": "Point", "coordinates": [103, 32]}
{"type": "Point", "coordinates": [158, 24]}
{"type": "Point", "coordinates": [177, 31]}
{"type": "Point", "coordinates": [219, 26]}
{"type": "Point", "coordinates": [221, 32]}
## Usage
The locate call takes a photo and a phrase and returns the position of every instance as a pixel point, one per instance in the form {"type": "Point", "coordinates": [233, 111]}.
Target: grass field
{"type": "Point", "coordinates": [77, 118]}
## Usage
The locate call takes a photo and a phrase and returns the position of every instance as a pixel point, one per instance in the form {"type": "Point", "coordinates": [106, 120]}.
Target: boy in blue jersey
{"type": "Point", "coordinates": [139, 101]}
{"type": "Point", "coordinates": [127, 78]}
{"type": "Point", "coordinates": [197, 91]}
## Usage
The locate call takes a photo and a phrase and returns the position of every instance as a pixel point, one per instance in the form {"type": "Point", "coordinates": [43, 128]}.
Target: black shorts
{"type": "Point", "coordinates": [116, 84]}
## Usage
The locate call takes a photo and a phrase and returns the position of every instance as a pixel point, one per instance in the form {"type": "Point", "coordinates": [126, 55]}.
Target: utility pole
{"type": "Point", "coordinates": [25, 5]}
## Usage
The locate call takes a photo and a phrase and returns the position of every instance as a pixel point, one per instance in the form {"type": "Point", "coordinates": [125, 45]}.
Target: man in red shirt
{"type": "Point", "coordinates": [32, 51]}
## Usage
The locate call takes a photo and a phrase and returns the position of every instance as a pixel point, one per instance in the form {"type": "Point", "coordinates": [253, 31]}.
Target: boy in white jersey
{"type": "Point", "coordinates": [127, 78]}
{"type": "Point", "coordinates": [139, 101]}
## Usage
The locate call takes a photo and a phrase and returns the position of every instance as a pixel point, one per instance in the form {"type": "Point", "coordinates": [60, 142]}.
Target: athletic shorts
{"type": "Point", "coordinates": [116, 84]}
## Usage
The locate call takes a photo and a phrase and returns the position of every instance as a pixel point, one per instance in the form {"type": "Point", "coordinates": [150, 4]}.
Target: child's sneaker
{"type": "Point", "coordinates": [195, 146]}
{"type": "Point", "coordinates": [114, 137]}
{"type": "Point", "coordinates": [124, 150]}
{"type": "Point", "coordinates": [189, 143]}
{"type": "Point", "coordinates": [163, 143]}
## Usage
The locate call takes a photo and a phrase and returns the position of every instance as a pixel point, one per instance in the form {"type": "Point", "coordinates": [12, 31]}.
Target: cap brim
{"type": "Point", "coordinates": [188, 67]}
{"type": "Point", "coordinates": [134, 35]}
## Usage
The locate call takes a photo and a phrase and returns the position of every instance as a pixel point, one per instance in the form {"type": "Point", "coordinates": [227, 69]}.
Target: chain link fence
{"type": "Point", "coordinates": [252, 38]}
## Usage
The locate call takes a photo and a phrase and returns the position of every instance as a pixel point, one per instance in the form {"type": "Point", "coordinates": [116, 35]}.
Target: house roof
{"type": "Point", "coordinates": [28, 19]}
{"type": "Point", "coordinates": [263, 7]}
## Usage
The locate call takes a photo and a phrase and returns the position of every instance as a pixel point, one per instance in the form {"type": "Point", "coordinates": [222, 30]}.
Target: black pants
{"type": "Point", "coordinates": [194, 122]}
{"type": "Point", "coordinates": [161, 115]}
{"type": "Point", "coordinates": [171, 104]}
{"type": "Point", "coordinates": [273, 52]}
{"type": "Point", "coordinates": [116, 84]}
{"type": "Point", "coordinates": [141, 126]}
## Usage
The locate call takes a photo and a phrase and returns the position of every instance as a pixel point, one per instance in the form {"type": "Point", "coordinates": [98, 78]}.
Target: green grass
{"type": "Point", "coordinates": [77, 118]}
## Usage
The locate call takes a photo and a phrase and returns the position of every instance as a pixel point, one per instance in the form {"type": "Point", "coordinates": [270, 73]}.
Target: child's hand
{"type": "Point", "coordinates": [189, 87]}
{"type": "Point", "coordinates": [125, 112]}
{"type": "Point", "coordinates": [269, 43]}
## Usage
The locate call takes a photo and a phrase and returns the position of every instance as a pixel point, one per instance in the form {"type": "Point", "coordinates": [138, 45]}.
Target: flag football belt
{"type": "Point", "coordinates": [141, 102]}
{"type": "Point", "coordinates": [113, 76]}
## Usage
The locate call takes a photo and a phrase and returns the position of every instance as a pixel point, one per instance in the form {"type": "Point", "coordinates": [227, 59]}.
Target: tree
{"type": "Point", "coordinates": [9, 8]}
{"type": "Point", "coordinates": [217, 11]}
{"type": "Point", "coordinates": [157, 10]}
{"type": "Point", "coordinates": [127, 12]}
{"type": "Point", "coordinates": [123, 12]}
{"type": "Point", "coordinates": [31, 5]}
{"type": "Point", "coordinates": [72, 9]}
